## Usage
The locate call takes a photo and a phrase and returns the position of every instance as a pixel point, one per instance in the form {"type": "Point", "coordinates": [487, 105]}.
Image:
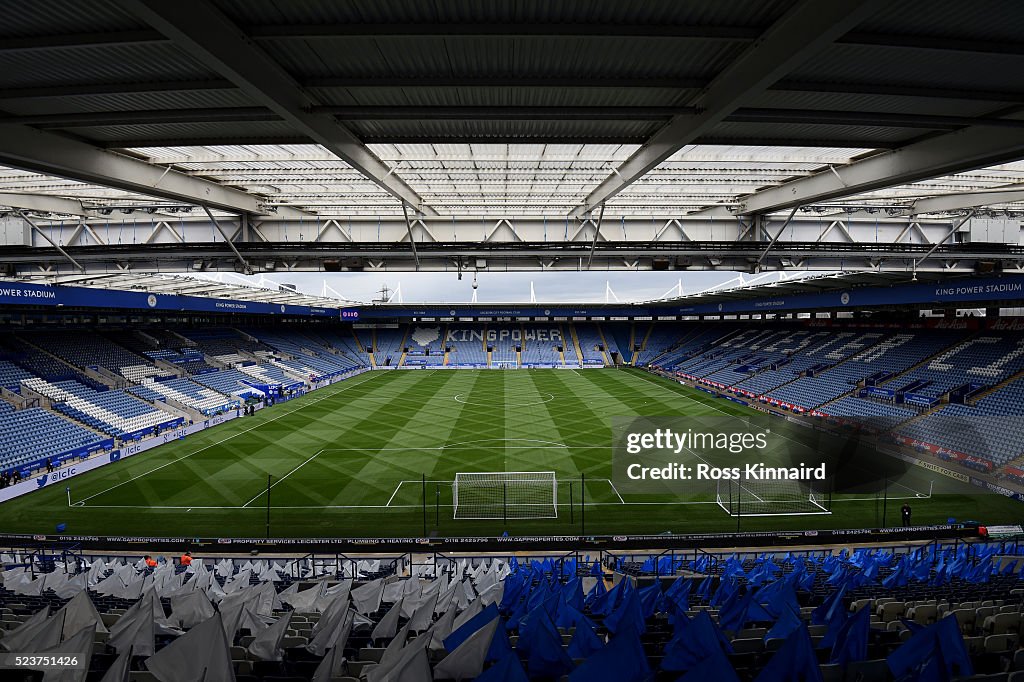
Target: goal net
{"type": "Point", "coordinates": [773, 498]}
{"type": "Point", "coordinates": [505, 495]}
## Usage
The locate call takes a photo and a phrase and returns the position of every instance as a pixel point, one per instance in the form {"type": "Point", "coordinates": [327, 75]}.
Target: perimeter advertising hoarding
{"type": "Point", "coordinates": [502, 544]}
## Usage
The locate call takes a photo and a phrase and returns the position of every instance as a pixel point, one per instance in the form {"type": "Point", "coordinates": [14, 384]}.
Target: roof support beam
{"type": "Point", "coordinates": [953, 202]}
{"type": "Point", "coordinates": [412, 239]}
{"type": "Point", "coordinates": [526, 138]}
{"type": "Point", "coordinates": [597, 234]}
{"type": "Point", "coordinates": [974, 147]}
{"type": "Point", "coordinates": [741, 34]}
{"type": "Point", "coordinates": [108, 88]}
{"type": "Point", "coordinates": [935, 247]}
{"type": "Point", "coordinates": [43, 152]}
{"type": "Point", "coordinates": [77, 40]}
{"type": "Point", "coordinates": [560, 82]}
{"type": "Point", "coordinates": [778, 234]}
{"type": "Point", "coordinates": [800, 33]}
{"type": "Point", "coordinates": [492, 113]}
{"type": "Point", "coordinates": [54, 244]}
{"type": "Point", "coordinates": [519, 113]}
{"type": "Point", "coordinates": [47, 204]}
{"type": "Point", "coordinates": [204, 33]}
{"type": "Point", "coordinates": [246, 268]}
{"type": "Point", "coordinates": [500, 29]}
{"type": "Point", "coordinates": [146, 116]}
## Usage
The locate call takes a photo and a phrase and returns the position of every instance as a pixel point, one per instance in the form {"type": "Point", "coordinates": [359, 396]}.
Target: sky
{"type": "Point", "coordinates": [501, 287]}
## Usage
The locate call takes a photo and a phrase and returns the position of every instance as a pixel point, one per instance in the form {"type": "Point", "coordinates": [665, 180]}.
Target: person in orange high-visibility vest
{"type": "Point", "coordinates": [150, 561]}
{"type": "Point", "coordinates": [186, 559]}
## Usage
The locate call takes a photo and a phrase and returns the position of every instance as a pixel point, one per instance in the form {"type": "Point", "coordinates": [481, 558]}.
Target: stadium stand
{"type": "Point", "coordinates": [863, 375]}
{"type": "Point", "coordinates": [791, 364]}
{"type": "Point", "coordinates": [620, 339]}
{"type": "Point", "coordinates": [991, 429]}
{"type": "Point", "coordinates": [983, 359]}
{"type": "Point", "coordinates": [188, 360]}
{"type": "Point", "coordinates": [230, 382]}
{"type": "Point", "coordinates": [467, 349]}
{"type": "Point", "coordinates": [853, 357]}
{"type": "Point", "coordinates": [387, 345]}
{"type": "Point", "coordinates": [503, 340]}
{"type": "Point", "coordinates": [572, 357]}
{"type": "Point", "coordinates": [426, 344]}
{"type": "Point", "coordinates": [32, 436]}
{"type": "Point", "coordinates": [270, 376]}
{"type": "Point", "coordinates": [194, 395]}
{"type": "Point", "coordinates": [872, 613]}
{"type": "Point", "coordinates": [113, 412]}
{"type": "Point", "coordinates": [305, 357]}
{"type": "Point", "coordinates": [540, 346]}
{"type": "Point", "coordinates": [655, 340]}
{"type": "Point", "coordinates": [592, 344]}
{"type": "Point", "coordinates": [95, 350]}
{"type": "Point", "coordinates": [40, 364]}
{"type": "Point", "coordinates": [879, 414]}
{"type": "Point", "coordinates": [11, 375]}
{"type": "Point", "coordinates": [362, 341]}
{"type": "Point", "coordinates": [225, 346]}
{"type": "Point", "coordinates": [670, 348]}
{"type": "Point", "coordinates": [346, 343]}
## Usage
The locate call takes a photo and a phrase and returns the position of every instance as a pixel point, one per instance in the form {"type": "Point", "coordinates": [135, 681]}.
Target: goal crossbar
{"type": "Point", "coordinates": [505, 495]}
{"type": "Point", "coordinates": [774, 498]}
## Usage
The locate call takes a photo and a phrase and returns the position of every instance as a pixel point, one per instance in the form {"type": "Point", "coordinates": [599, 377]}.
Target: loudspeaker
{"type": "Point", "coordinates": [332, 266]}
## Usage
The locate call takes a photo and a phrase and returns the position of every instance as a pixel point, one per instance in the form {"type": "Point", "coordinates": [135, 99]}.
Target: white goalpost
{"type": "Point", "coordinates": [772, 498]}
{"type": "Point", "coordinates": [505, 495]}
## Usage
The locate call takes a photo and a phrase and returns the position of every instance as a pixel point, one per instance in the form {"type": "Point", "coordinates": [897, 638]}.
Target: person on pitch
{"type": "Point", "coordinates": [905, 513]}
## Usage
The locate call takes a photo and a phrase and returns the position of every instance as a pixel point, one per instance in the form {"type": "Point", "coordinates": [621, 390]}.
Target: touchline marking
{"type": "Point", "coordinates": [224, 440]}
{"type": "Point", "coordinates": [272, 485]}
{"type": "Point", "coordinates": [678, 503]}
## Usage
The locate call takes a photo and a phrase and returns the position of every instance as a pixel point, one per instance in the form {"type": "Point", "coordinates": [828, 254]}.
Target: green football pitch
{"type": "Point", "coordinates": [350, 460]}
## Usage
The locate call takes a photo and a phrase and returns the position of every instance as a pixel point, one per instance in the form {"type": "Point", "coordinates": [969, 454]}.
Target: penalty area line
{"type": "Point", "coordinates": [399, 486]}
{"type": "Point", "coordinates": [616, 491]}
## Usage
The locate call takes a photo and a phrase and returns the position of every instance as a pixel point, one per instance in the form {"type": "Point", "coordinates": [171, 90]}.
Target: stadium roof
{"type": "Point", "coordinates": [202, 287]}
{"type": "Point", "coordinates": [312, 108]}
{"type": "Point", "coordinates": [808, 284]}
{"type": "Point", "coordinates": [773, 284]}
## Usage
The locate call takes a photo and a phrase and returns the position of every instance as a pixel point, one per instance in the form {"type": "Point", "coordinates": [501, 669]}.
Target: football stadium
{"type": "Point", "coordinates": [502, 341]}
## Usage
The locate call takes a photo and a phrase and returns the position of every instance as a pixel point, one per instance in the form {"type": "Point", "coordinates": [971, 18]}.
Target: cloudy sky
{"type": "Point", "coordinates": [502, 287]}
